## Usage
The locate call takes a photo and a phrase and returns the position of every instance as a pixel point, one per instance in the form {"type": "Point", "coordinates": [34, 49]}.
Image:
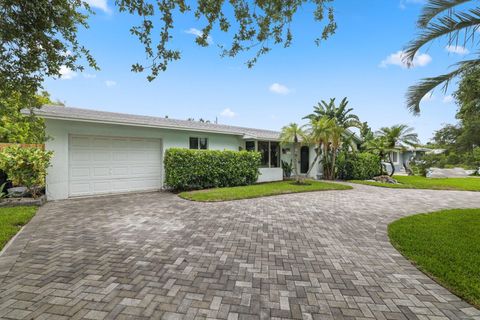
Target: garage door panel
{"type": "Point", "coordinates": [120, 171]}
{"type": "Point", "coordinates": [79, 172]}
{"type": "Point", "coordinates": [79, 155]}
{"type": "Point", "coordinates": [101, 172]}
{"type": "Point", "coordinates": [120, 155]}
{"type": "Point", "coordinates": [100, 165]}
{"type": "Point", "coordinates": [77, 141]}
{"type": "Point", "coordinates": [79, 188]}
{"type": "Point", "coordinates": [101, 155]}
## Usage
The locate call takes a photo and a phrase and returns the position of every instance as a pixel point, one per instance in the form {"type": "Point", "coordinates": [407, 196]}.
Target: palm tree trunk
{"type": "Point", "coordinates": [314, 161]}
{"type": "Point", "coordinates": [333, 164]}
{"type": "Point", "coordinates": [391, 163]}
{"type": "Point", "coordinates": [294, 159]}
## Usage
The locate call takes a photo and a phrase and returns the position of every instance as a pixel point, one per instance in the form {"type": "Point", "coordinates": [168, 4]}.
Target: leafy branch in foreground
{"type": "Point", "coordinates": [257, 25]}
{"type": "Point", "coordinates": [443, 18]}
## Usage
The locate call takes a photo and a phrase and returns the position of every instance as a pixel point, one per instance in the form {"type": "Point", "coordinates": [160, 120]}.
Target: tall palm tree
{"type": "Point", "coordinates": [293, 134]}
{"type": "Point", "coordinates": [399, 135]}
{"type": "Point", "coordinates": [327, 135]}
{"type": "Point", "coordinates": [443, 18]}
{"type": "Point", "coordinates": [340, 113]}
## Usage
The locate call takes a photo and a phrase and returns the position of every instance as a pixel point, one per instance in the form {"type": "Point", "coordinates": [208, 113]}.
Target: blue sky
{"type": "Point", "coordinates": [361, 62]}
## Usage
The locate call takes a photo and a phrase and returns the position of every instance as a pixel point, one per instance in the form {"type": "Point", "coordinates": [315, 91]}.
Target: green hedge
{"type": "Point", "coordinates": [358, 166]}
{"type": "Point", "coordinates": [200, 169]}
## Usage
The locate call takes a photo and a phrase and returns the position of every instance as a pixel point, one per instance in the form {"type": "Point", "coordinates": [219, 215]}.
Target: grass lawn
{"type": "Point", "coordinates": [259, 190]}
{"type": "Point", "coordinates": [12, 220]}
{"type": "Point", "coordinates": [445, 245]}
{"type": "Point", "coordinates": [417, 182]}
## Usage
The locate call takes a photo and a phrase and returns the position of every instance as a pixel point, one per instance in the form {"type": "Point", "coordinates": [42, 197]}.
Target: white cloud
{"type": "Point", "coordinates": [66, 73]}
{"type": "Point", "coordinates": [398, 59]}
{"type": "Point", "coordinates": [279, 88]}
{"type": "Point", "coordinates": [457, 50]}
{"type": "Point", "coordinates": [99, 4]}
{"type": "Point", "coordinates": [199, 33]}
{"type": "Point", "coordinates": [447, 99]}
{"type": "Point", "coordinates": [228, 113]}
{"type": "Point", "coordinates": [110, 83]}
{"type": "Point", "coordinates": [89, 75]}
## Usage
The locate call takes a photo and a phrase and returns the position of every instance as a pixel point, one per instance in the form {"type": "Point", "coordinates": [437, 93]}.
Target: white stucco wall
{"type": "Point", "coordinates": [289, 156]}
{"type": "Point", "coordinates": [270, 174]}
{"type": "Point", "coordinates": [59, 131]}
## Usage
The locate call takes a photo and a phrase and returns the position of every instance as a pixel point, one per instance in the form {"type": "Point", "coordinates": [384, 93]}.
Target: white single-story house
{"type": "Point", "coordinates": [97, 152]}
{"type": "Point", "coordinates": [402, 156]}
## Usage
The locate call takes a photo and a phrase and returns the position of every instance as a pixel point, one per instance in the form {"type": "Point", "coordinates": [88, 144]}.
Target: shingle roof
{"type": "Point", "coordinates": [68, 113]}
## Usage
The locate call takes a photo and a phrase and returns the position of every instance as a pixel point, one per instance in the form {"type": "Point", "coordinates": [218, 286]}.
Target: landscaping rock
{"type": "Point", "coordinates": [17, 192]}
{"type": "Point", "coordinates": [449, 173]}
{"type": "Point", "coordinates": [15, 202]}
{"type": "Point", "coordinates": [385, 179]}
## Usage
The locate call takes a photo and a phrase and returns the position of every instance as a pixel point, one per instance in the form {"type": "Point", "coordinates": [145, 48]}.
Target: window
{"type": "Point", "coordinates": [250, 145]}
{"type": "Point", "coordinates": [263, 147]}
{"type": "Point", "coordinates": [270, 152]}
{"type": "Point", "coordinates": [198, 143]}
{"type": "Point", "coordinates": [274, 154]}
{"type": "Point", "coordinates": [394, 156]}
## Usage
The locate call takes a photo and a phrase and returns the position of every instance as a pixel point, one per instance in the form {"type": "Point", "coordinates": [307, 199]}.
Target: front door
{"type": "Point", "coordinates": [304, 158]}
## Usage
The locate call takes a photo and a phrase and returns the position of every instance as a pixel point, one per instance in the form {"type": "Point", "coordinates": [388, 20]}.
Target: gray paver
{"type": "Point", "coordinates": [322, 255]}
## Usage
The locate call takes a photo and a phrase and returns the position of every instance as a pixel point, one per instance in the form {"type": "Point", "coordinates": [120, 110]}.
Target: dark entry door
{"type": "Point", "coordinates": [304, 156]}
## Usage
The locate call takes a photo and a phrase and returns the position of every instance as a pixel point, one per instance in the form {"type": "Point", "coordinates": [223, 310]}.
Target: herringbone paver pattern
{"type": "Point", "coordinates": [320, 255]}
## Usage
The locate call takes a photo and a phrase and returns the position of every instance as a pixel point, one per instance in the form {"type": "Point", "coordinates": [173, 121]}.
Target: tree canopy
{"type": "Point", "coordinates": [39, 38]}
{"type": "Point", "coordinates": [457, 21]}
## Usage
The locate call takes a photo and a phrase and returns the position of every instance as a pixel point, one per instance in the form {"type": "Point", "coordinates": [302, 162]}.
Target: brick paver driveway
{"type": "Point", "coordinates": [320, 255]}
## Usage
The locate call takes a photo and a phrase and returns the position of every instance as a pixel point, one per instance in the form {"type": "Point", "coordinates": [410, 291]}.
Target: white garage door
{"type": "Point", "coordinates": [102, 165]}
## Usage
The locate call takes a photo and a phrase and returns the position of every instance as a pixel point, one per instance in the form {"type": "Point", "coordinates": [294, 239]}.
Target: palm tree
{"type": "Point", "coordinates": [397, 135]}
{"type": "Point", "coordinates": [443, 18]}
{"type": "Point", "coordinates": [327, 135]}
{"type": "Point", "coordinates": [377, 145]}
{"type": "Point", "coordinates": [341, 114]}
{"type": "Point", "coordinates": [293, 134]}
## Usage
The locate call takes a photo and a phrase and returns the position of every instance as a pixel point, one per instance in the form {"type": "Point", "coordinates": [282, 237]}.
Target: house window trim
{"type": "Point", "coordinates": [198, 148]}
{"type": "Point", "coordinates": [398, 157]}
{"type": "Point", "coordinates": [269, 166]}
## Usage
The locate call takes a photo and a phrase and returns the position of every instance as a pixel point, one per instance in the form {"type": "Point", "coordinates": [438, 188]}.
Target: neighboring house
{"type": "Point", "coordinates": [97, 152]}
{"type": "Point", "coordinates": [402, 156]}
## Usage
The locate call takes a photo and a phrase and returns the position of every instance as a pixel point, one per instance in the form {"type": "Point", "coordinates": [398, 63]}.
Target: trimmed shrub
{"type": "Point", "coordinates": [25, 167]}
{"type": "Point", "coordinates": [358, 166]}
{"type": "Point", "coordinates": [187, 169]}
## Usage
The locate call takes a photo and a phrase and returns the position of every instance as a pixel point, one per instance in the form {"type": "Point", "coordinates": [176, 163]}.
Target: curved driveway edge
{"type": "Point", "coordinates": [319, 255]}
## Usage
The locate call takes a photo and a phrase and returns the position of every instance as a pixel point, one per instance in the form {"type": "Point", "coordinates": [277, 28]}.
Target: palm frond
{"type": "Point", "coordinates": [435, 7]}
{"type": "Point", "coordinates": [451, 25]}
{"type": "Point", "coordinates": [416, 92]}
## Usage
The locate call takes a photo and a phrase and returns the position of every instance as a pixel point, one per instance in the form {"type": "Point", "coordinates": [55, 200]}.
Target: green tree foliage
{"type": "Point", "coordinates": [399, 135]}
{"type": "Point", "coordinates": [457, 21]}
{"type": "Point", "coordinates": [328, 136]}
{"type": "Point", "coordinates": [26, 167]}
{"type": "Point", "coordinates": [293, 134]}
{"type": "Point", "coordinates": [16, 127]}
{"type": "Point", "coordinates": [37, 39]}
{"type": "Point", "coordinates": [200, 169]}
{"type": "Point", "coordinates": [252, 24]}
{"type": "Point", "coordinates": [40, 37]}
{"type": "Point", "coordinates": [358, 166]}
{"type": "Point", "coordinates": [341, 114]}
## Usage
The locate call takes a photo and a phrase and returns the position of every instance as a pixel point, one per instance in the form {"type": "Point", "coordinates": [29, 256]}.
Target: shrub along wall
{"type": "Point", "coordinates": [358, 166]}
{"type": "Point", "coordinates": [200, 169]}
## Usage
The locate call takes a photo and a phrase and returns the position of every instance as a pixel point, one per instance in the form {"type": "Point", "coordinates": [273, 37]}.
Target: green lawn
{"type": "Point", "coordinates": [259, 190]}
{"type": "Point", "coordinates": [445, 245]}
{"type": "Point", "coordinates": [12, 220]}
{"type": "Point", "coordinates": [417, 182]}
